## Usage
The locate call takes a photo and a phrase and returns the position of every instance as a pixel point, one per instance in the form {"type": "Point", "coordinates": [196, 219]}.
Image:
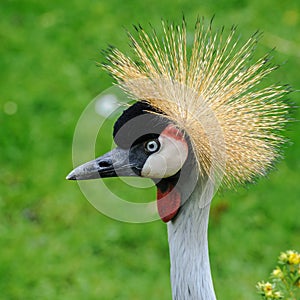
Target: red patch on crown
{"type": "Point", "coordinates": [173, 132]}
{"type": "Point", "coordinates": [168, 203]}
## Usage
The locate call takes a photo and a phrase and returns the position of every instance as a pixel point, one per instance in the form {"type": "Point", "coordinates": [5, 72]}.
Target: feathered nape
{"type": "Point", "coordinates": [212, 92]}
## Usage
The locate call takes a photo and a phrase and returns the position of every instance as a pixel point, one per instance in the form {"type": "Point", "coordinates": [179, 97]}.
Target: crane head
{"type": "Point", "coordinates": [203, 103]}
{"type": "Point", "coordinates": [148, 145]}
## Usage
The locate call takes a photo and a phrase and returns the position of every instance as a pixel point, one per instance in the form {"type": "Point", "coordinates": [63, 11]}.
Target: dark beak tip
{"type": "Point", "coordinates": [71, 176]}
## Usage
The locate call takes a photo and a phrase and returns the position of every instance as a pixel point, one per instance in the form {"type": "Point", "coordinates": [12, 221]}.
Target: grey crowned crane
{"type": "Point", "coordinates": [201, 117]}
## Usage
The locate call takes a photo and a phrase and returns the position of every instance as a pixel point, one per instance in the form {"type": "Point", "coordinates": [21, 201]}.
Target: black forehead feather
{"type": "Point", "coordinates": [138, 121]}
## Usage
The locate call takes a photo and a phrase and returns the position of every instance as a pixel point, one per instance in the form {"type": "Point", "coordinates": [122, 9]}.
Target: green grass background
{"type": "Point", "coordinates": [53, 243]}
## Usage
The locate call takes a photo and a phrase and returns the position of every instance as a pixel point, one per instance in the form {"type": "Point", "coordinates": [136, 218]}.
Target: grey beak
{"type": "Point", "coordinates": [112, 164]}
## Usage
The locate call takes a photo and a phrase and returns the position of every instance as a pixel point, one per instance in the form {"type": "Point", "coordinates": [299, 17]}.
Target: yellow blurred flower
{"type": "Point", "coordinates": [277, 295]}
{"type": "Point", "coordinates": [268, 287]}
{"type": "Point", "coordinates": [277, 273]}
{"type": "Point", "coordinates": [294, 258]}
{"type": "Point", "coordinates": [283, 257]}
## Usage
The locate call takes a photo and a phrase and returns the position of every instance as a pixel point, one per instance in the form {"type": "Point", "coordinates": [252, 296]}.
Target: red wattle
{"type": "Point", "coordinates": [168, 203]}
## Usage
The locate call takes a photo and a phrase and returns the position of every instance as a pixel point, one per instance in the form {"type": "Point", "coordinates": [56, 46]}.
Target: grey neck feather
{"type": "Point", "coordinates": [190, 268]}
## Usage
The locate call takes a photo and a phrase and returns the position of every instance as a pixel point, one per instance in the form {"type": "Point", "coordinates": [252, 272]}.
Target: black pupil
{"type": "Point", "coordinates": [152, 146]}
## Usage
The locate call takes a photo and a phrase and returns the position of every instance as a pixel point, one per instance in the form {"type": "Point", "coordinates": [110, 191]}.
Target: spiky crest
{"type": "Point", "coordinates": [212, 92]}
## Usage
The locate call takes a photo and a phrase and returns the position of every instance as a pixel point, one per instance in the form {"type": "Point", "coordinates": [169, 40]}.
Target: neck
{"type": "Point", "coordinates": [190, 269]}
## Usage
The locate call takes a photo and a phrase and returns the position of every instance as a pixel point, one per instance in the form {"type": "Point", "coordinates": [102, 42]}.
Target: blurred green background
{"type": "Point", "coordinates": [53, 243]}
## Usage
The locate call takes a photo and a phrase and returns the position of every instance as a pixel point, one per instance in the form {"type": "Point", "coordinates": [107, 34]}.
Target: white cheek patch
{"type": "Point", "coordinates": [171, 156]}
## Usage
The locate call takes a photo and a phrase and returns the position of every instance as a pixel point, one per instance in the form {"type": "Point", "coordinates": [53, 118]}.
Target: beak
{"type": "Point", "coordinates": [112, 164]}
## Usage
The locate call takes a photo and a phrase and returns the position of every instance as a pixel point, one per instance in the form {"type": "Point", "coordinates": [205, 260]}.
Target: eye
{"type": "Point", "coordinates": [152, 146]}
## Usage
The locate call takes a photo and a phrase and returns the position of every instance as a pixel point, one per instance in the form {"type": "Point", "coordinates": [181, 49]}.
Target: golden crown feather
{"type": "Point", "coordinates": [212, 92]}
